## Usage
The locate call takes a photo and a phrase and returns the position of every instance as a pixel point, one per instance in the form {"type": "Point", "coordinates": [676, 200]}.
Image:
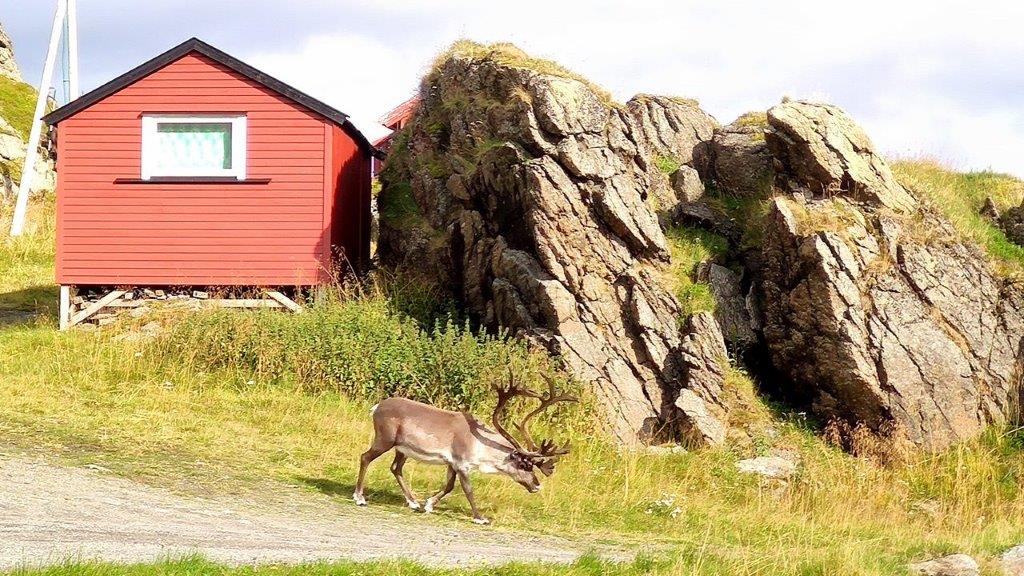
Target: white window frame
{"type": "Point", "coordinates": [239, 136]}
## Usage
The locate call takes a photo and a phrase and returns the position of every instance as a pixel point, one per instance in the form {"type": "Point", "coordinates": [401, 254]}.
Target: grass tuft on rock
{"type": "Point", "coordinates": [689, 247]}
{"type": "Point", "coordinates": [17, 105]}
{"type": "Point", "coordinates": [960, 195]}
{"type": "Point", "coordinates": [667, 164]}
{"type": "Point", "coordinates": [508, 54]}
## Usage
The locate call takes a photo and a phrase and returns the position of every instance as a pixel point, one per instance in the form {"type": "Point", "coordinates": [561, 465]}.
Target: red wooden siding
{"type": "Point", "coordinates": [351, 208]}
{"type": "Point", "coordinates": [165, 234]}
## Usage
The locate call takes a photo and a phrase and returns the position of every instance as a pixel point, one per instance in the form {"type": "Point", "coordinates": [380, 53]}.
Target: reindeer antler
{"type": "Point", "coordinates": [506, 393]}
{"type": "Point", "coordinates": [547, 452]}
{"type": "Point", "coordinates": [546, 401]}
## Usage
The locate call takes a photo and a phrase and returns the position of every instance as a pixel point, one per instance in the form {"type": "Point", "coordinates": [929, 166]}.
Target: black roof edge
{"type": "Point", "coordinates": [221, 57]}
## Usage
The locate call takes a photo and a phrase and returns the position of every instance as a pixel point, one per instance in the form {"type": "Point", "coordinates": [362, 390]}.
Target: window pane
{"type": "Point", "coordinates": [189, 148]}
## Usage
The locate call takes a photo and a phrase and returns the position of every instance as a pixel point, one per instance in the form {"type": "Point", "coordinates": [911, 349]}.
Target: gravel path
{"type": "Point", "coordinates": [49, 514]}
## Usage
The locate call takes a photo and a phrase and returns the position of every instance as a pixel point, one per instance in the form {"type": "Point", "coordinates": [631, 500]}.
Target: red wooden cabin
{"type": "Point", "coordinates": [196, 169]}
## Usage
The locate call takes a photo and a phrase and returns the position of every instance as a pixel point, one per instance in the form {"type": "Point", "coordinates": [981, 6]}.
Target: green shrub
{"type": "Point", "coordinates": [667, 164]}
{"type": "Point", "coordinates": [690, 247]}
{"type": "Point", "coordinates": [362, 348]}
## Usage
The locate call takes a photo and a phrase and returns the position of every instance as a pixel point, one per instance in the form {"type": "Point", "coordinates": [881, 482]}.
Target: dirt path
{"type": "Point", "coordinates": [48, 514]}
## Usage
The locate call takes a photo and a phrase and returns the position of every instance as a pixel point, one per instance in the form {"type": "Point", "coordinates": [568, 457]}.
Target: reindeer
{"type": "Point", "coordinates": [460, 442]}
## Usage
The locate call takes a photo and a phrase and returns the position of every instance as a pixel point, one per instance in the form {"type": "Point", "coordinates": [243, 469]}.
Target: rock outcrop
{"type": "Point", "coordinates": [825, 152]}
{"type": "Point", "coordinates": [527, 195]}
{"type": "Point", "coordinates": [873, 306]}
{"type": "Point", "coordinates": [741, 164]}
{"type": "Point", "coordinates": [674, 134]}
{"type": "Point", "coordinates": [8, 66]}
{"type": "Point", "coordinates": [12, 158]}
{"type": "Point", "coordinates": [1012, 223]}
{"type": "Point", "coordinates": [538, 204]}
{"type": "Point", "coordinates": [952, 565]}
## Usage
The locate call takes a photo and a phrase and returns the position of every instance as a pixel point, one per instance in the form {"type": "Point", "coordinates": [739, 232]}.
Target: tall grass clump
{"type": "Point", "coordinates": [361, 347]}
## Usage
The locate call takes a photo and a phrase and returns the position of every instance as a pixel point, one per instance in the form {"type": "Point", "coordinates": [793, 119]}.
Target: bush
{"type": "Point", "coordinates": [361, 347]}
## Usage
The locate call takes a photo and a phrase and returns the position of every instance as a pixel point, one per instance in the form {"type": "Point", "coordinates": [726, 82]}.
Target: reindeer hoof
{"type": "Point", "coordinates": [481, 521]}
{"type": "Point", "coordinates": [428, 506]}
{"type": "Point", "coordinates": [359, 499]}
{"type": "Point", "coordinates": [414, 505]}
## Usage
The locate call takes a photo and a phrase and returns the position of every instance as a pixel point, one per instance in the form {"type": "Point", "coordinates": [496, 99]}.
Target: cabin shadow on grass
{"type": "Point", "coordinates": [25, 305]}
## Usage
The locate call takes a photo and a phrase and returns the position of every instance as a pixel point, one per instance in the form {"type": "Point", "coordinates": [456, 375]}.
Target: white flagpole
{"type": "Point", "coordinates": [72, 40]}
{"type": "Point", "coordinates": [28, 169]}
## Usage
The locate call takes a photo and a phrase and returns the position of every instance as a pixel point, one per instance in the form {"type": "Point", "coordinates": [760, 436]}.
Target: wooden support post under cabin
{"type": "Point", "coordinates": [65, 307]}
{"type": "Point", "coordinates": [285, 301]}
{"type": "Point", "coordinates": [96, 307]}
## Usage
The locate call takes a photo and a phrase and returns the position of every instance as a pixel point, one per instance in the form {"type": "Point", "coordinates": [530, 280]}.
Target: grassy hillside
{"type": "Point", "coordinates": [230, 401]}
{"type": "Point", "coordinates": [960, 196]}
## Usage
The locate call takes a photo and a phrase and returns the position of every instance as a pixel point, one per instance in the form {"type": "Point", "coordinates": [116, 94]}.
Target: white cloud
{"type": "Point", "coordinates": [942, 77]}
{"type": "Point", "coordinates": [358, 75]}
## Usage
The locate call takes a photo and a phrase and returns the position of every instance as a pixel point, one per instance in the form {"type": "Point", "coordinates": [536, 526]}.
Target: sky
{"type": "Point", "coordinates": [942, 79]}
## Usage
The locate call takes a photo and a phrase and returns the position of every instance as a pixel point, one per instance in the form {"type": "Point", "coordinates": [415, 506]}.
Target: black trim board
{"type": "Point", "coordinates": [225, 59]}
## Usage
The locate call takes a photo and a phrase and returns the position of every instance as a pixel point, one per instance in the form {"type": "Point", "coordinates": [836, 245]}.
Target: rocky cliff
{"type": "Point", "coordinates": [540, 204]}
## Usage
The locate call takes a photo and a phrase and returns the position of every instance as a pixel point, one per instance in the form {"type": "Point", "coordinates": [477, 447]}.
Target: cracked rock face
{"type": "Point", "coordinates": [824, 152]}
{"type": "Point", "coordinates": [879, 315]}
{"type": "Point", "coordinates": [529, 202]}
{"type": "Point", "coordinates": [676, 129]}
{"type": "Point", "coordinates": [741, 161]}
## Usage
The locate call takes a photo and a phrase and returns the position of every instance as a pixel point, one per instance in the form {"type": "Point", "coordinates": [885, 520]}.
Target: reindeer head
{"type": "Point", "coordinates": [521, 462]}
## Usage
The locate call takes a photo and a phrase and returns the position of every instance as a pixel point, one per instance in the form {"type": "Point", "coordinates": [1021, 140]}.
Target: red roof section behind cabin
{"type": "Point", "coordinates": [399, 117]}
{"type": "Point", "coordinates": [395, 120]}
{"type": "Point", "coordinates": [304, 197]}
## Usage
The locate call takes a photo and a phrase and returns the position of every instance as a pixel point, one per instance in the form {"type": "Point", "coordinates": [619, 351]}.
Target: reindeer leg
{"type": "Point", "coordinates": [449, 485]}
{"type": "Point", "coordinates": [468, 491]}
{"type": "Point", "coordinates": [396, 469]}
{"type": "Point", "coordinates": [364, 461]}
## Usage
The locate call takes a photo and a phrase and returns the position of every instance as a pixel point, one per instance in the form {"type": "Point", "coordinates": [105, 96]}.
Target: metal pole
{"type": "Point", "coordinates": [72, 41]}
{"type": "Point", "coordinates": [28, 170]}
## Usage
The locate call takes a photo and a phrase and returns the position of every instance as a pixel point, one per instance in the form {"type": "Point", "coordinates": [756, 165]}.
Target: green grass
{"type": "Point", "coordinates": [229, 402]}
{"type": "Point", "coordinates": [689, 248]}
{"type": "Point", "coordinates": [17, 105]}
{"type": "Point", "coordinates": [960, 195]}
{"type": "Point", "coordinates": [667, 164]}
{"type": "Point", "coordinates": [198, 566]}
